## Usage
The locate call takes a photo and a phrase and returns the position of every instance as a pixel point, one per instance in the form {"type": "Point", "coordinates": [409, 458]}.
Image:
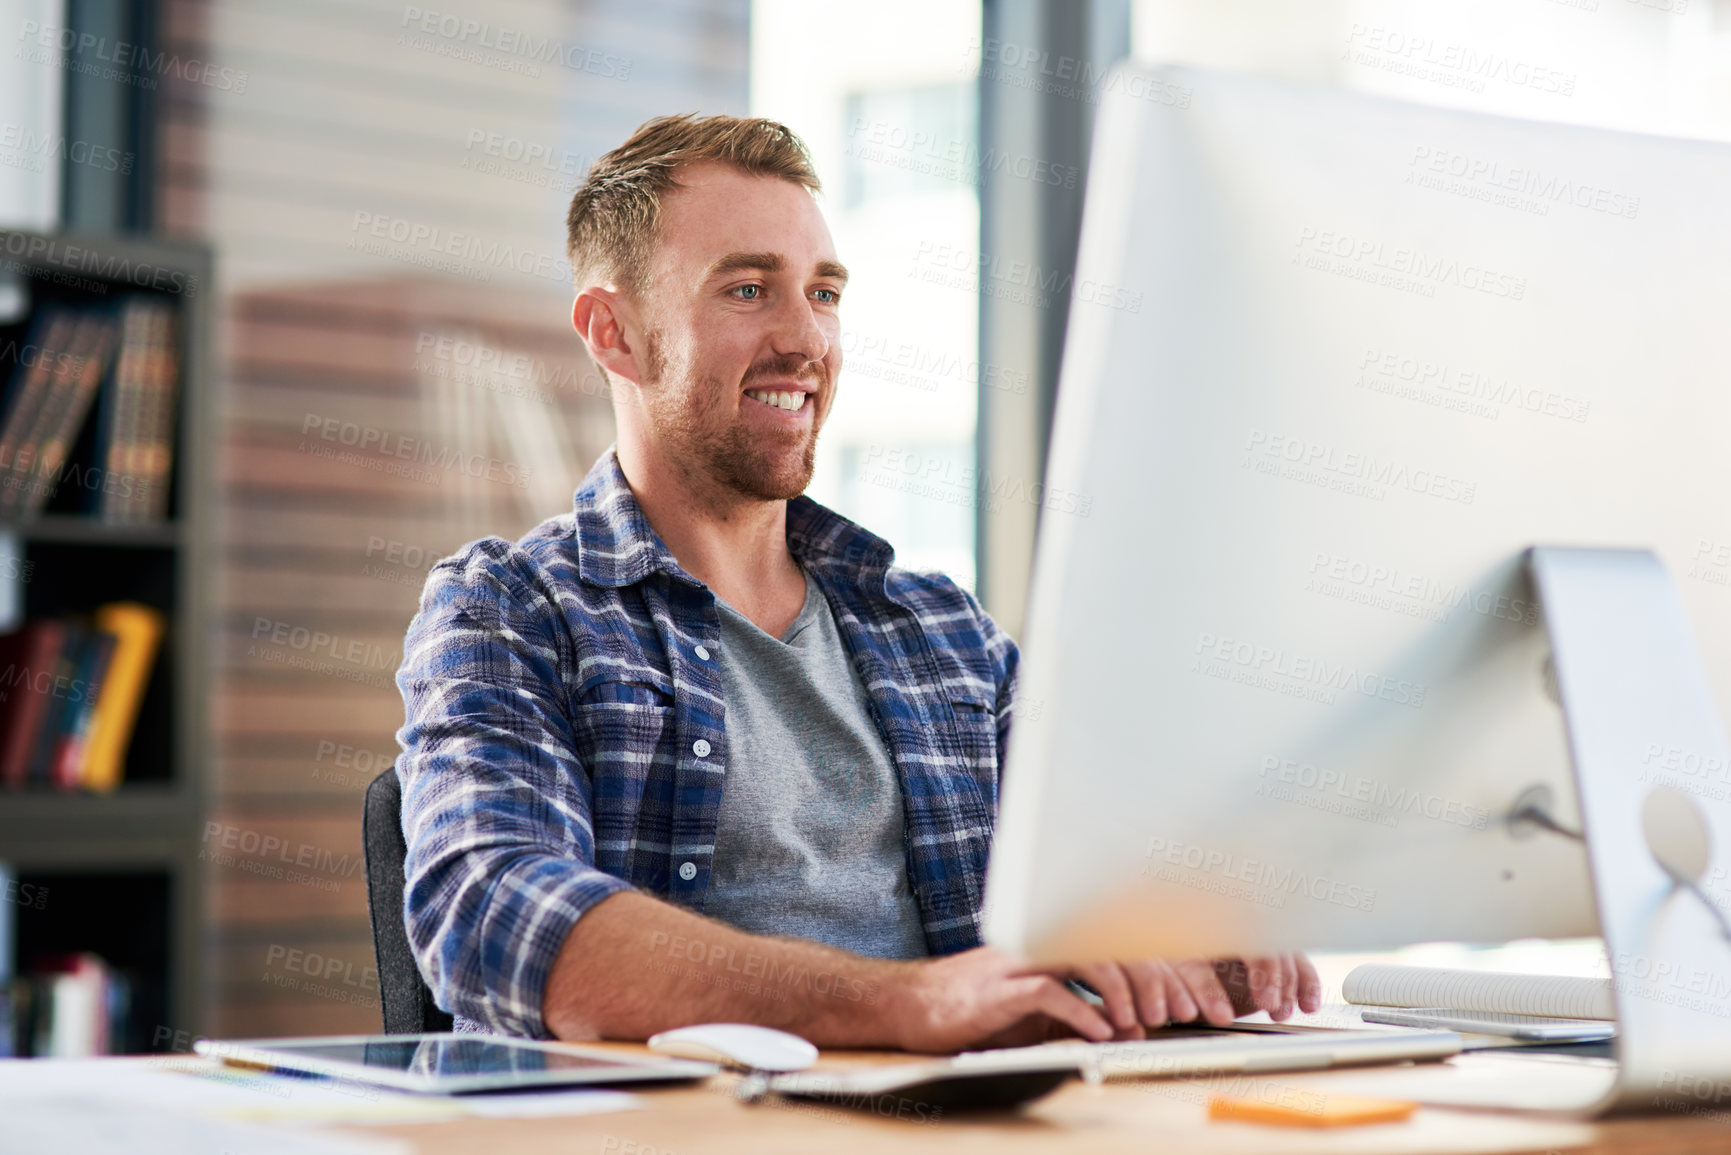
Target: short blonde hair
{"type": "Point", "coordinates": [614, 222]}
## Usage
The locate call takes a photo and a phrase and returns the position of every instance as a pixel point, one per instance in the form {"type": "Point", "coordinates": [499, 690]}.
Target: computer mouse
{"type": "Point", "coordinates": [737, 1045]}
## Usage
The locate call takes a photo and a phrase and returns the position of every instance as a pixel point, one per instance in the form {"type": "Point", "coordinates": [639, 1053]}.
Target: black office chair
{"type": "Point", "coordinates": [403, 994]}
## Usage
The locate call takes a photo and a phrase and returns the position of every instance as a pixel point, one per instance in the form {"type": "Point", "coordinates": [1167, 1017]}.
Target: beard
{"type": "Point", "coordinates": [695, 418]}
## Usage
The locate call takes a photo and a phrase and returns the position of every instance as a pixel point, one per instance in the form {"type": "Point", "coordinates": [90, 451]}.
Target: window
{"type": "Point", "coordinates": [890, 117]}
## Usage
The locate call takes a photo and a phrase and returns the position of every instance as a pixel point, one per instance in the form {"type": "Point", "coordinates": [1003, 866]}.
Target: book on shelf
{"type": "Point", "coordinates": [67, 768]}
{"type": "Point", "coordinates": [71, 1006]}
{"type": "Point", "coordinates": [70, 694]}
{"type": "Point", "coordinates": [50, 338]}
{"type": "Point", "coordinates": [30, 652]}
{"type": "Point", "coordinates": [137, 632]}
{"type": "Point", "coordinates": [137, 432]}
{"type": "Point", "coordinates": [122, 362]}
{"type": "Point", "coordinates": [65, 692]}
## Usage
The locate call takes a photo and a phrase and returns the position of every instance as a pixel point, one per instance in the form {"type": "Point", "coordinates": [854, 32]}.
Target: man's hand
{"type": "Point", "coordinates": [1147, 995]}
{"type": "Point", "coordinates": [984, 998]}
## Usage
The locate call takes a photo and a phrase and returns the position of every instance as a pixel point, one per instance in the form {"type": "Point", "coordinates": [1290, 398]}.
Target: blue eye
{"type": "Point", "coordinates": [828, 296]}
{"type": "Point", "coordinates": [754, 290]}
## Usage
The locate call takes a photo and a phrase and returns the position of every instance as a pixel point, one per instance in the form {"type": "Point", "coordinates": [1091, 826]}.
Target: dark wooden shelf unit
{"type": "Point", "coordinates": [122, 871]}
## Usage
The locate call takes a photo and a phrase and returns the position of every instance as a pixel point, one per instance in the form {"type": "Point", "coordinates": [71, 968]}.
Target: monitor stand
{"type": "Point", "coordinates": [1653, 772]}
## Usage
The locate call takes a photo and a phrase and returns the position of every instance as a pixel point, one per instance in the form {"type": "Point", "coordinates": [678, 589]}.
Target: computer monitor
{"type": "Point", "coordinates": [1287, 678]}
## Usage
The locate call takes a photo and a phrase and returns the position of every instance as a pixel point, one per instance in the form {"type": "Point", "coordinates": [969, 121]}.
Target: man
{"type": "Point", "coordinates": [698, 751]}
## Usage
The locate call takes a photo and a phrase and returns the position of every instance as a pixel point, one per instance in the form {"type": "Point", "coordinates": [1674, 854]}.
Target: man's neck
{"type": "Point", "coordinates": [735, 545]}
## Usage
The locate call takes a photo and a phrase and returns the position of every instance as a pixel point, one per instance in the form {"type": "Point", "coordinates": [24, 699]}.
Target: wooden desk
{"type": "Point", "coordinates": [1130, 1117]}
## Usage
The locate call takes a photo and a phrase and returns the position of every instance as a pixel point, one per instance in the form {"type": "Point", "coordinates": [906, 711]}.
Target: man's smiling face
{"type": "Point", "coordinates": [744, 331]}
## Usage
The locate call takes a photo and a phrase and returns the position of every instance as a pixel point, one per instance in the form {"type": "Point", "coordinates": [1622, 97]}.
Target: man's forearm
{"type": "Point", "coordinates": [634, 965]}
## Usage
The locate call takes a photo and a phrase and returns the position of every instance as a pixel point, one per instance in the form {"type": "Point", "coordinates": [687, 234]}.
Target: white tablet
{"type": "Point", "coordinates": [446, 1064]}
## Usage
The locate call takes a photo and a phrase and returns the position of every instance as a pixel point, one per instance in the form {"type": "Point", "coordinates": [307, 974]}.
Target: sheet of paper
{"type": "Point", "coordinates": [94, 1125]}
{"type": "Point", "coordinates": [200, 1087]}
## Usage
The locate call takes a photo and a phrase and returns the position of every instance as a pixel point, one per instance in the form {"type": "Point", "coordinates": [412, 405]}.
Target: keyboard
{"type": "Point", "coordinates": [1186, 1054]}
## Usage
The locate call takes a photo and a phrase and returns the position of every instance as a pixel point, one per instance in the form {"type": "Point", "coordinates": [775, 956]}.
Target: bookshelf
{"type": "Point", "coordinates": [121, 870]}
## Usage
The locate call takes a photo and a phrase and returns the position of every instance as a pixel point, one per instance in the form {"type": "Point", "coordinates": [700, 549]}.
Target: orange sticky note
{"type": "Point", "coordinates": [1310, 1109]}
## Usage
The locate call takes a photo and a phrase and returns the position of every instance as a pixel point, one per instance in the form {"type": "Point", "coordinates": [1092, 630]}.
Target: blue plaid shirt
{"type": "Point", "coordinates": [565, 736]}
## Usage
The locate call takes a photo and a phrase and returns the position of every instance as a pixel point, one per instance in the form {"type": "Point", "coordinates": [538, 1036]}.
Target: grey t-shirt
{"type": "Point", "coordinates": [810, 842]}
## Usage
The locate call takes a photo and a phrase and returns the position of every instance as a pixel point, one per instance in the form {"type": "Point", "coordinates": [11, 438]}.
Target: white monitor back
{"type": "Point", "coordinates": [1333, 364]}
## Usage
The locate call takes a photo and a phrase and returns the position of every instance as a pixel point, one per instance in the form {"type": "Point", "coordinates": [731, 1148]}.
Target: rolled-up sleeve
{"type": "Point", "coordinates": [496, 798]}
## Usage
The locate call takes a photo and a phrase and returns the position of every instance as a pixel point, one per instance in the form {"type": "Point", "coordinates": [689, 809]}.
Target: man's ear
{"type": "Point", "coordinates": [601, 317]}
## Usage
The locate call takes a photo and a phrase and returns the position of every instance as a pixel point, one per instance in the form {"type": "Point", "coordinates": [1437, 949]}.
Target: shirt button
{"type": "Point", "coordinates": [701, 749]}
{"type": "Point", "coordinates": [702, 653]}
{"type": "Point", "coordinates": [688, 871]}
